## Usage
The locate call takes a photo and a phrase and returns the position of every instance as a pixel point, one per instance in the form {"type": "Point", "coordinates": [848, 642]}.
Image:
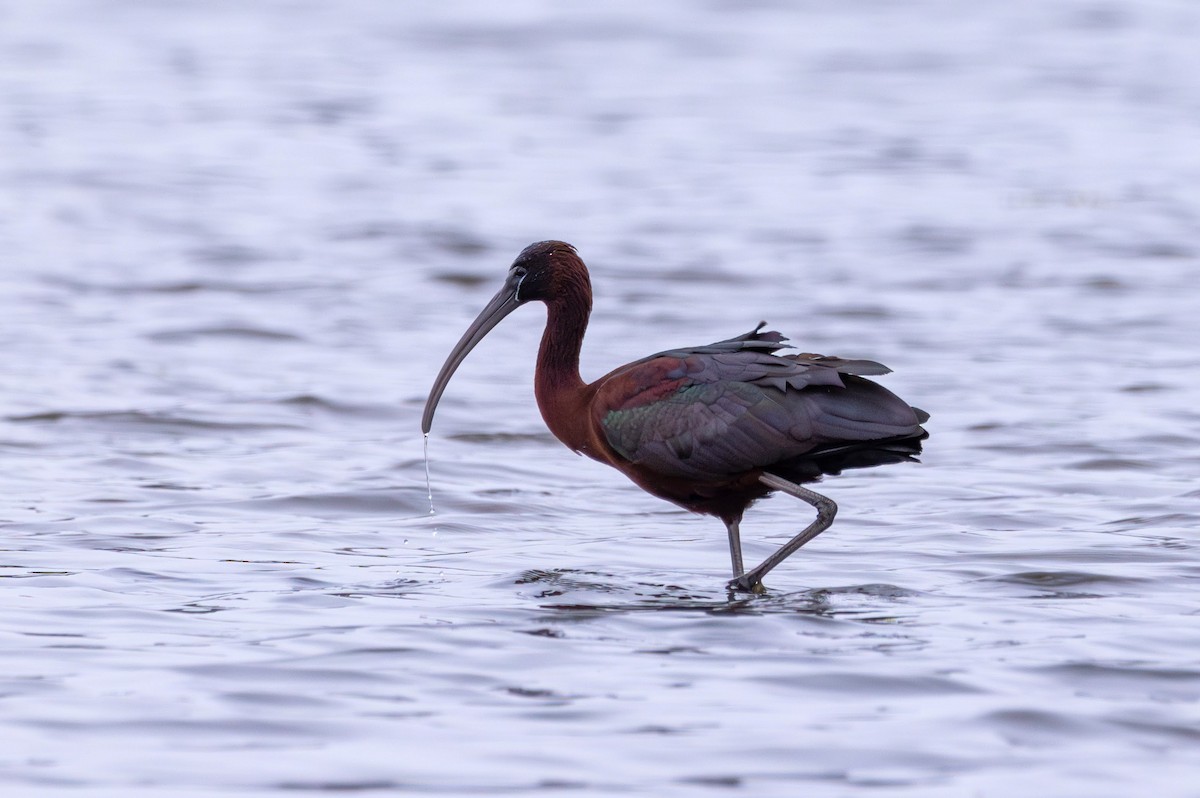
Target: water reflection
{"type": "Point", "coordinates": [581, 595]}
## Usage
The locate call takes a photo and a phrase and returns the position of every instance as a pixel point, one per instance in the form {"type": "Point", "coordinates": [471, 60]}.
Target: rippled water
{"type": "Point", "coordinates": [239, 238]}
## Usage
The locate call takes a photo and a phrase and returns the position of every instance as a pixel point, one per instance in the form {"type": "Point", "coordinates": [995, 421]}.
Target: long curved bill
{"type": "Point", "coordinates": [503, 303]}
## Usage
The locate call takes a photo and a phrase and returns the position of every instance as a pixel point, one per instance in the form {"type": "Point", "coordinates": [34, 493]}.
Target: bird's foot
{"type": "Point", "coordinates": [747, 583]}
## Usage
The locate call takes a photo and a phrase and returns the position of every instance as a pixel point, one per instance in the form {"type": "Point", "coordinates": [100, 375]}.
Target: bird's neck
{"type": "Point", "coordinates": [560, 391]}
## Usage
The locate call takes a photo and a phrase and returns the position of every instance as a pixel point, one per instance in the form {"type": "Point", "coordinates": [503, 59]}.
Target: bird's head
{"type": "Point", "coordinates": [543, 270]}
{"type": "Point", "coordinates": [547, 271]}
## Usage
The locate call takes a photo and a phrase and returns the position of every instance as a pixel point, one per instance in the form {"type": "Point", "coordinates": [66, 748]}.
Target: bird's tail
{"type": "Point", "coordinates": [833, 460]}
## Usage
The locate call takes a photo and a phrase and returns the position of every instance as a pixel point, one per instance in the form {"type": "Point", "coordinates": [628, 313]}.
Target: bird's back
{"type": "Point", "coordinates": [716, 411]}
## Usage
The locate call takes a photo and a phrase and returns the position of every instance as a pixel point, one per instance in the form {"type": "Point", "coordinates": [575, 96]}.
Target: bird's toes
{"type": "Point", "coordinates": [746, 584]}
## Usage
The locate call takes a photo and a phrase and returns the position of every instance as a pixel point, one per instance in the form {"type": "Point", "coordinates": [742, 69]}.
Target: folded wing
{"type": "Point", "coordinates": [713, 411]}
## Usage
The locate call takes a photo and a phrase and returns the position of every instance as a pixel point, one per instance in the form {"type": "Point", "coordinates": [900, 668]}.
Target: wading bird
{"type": "Point", "coordinates": [711, 428]}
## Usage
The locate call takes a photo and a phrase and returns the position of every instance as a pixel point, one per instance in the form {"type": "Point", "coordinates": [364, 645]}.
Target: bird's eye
{"type": "Point", "coordinates": [519, 271]}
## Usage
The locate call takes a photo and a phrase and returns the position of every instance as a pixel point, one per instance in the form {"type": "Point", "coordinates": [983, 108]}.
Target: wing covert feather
{"type": "Point", "coordinates": [732, 406]}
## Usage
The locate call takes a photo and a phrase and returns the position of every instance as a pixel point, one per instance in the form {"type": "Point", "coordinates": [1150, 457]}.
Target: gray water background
{"type": "Point", "coordinates": [238, 239]}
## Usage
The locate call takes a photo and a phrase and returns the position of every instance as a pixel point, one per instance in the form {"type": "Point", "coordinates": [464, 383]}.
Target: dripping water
{"type": "Point", "coordinates": [428, 483]}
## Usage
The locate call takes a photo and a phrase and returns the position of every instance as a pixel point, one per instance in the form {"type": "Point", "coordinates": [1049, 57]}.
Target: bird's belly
{"type": "Point", "coordinates": [724, 497]}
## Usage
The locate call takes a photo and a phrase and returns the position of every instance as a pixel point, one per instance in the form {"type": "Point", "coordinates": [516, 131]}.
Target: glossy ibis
{"type": "Point", "coordinates": [710, 428]}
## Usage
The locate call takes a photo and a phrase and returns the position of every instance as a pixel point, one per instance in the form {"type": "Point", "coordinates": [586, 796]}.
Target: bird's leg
{"type": "Point", "coordinates": [735, 547]}
{"type": "Point", "coordinates": [826, 510]}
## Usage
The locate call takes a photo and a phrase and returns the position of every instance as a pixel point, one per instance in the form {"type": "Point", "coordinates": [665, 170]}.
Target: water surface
{"type": "Point", "coordinates": [240, 238]}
